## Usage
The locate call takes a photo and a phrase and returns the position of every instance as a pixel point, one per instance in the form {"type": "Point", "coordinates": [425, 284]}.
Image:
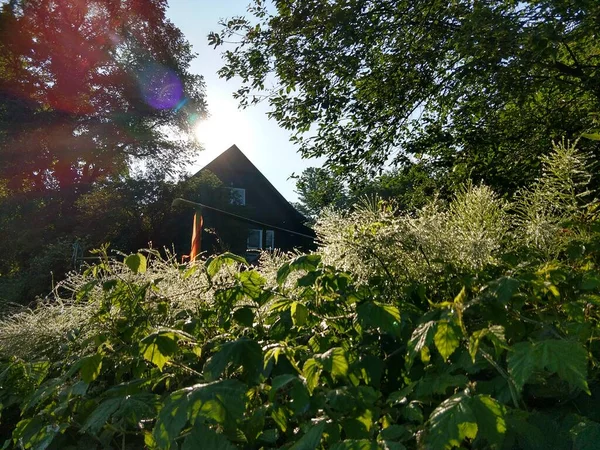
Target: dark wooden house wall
{"type": "Point", "coordinates": [262, 203]}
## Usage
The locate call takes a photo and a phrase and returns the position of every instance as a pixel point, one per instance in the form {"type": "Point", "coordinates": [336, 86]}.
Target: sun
{"type": "Point", "coordinates": [225, 127]}
{"type": "Point", "coordinates": [212, 134]}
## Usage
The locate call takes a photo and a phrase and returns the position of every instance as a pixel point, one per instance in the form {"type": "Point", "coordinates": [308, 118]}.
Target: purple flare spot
{"type": "Point", "coordinates": [160, 87]}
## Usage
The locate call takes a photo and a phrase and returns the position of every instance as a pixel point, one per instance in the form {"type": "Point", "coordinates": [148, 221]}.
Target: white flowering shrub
{"type": "Point", "coordinates": [467, 235]}
{"type": "Point", "coordinates": [560, 197]}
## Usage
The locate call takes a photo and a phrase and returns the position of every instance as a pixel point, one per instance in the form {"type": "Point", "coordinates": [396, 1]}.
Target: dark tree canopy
{"type": "Point", "coordinates": [408, 188]}
{"type": "Point", "coordinates": [96, 107]}
{"type": "Point", "coordinates": [478, 87]}
{"type": "Point", "coordinates": [89, 87]}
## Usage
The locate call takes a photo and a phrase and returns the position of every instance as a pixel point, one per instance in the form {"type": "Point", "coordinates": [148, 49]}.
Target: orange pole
{"type": "Point", "coordinates": [196, 236]}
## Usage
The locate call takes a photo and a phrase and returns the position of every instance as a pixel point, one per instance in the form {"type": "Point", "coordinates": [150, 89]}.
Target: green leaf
{"type": "Point", "coordinates": [35, 434]}
{"type": "Point", "coordinates": [90, 367]}
{"type": "Point", "coordinates": [590, 282]}
{"type": "Point", "coordinates": [312, 438]}
{"type": "Point", "coordinates": [306, 262]}
{"type": "Point", "coordinates": [446, 339]}
{"type": "Point", "coordinates": [504, 288]}
{"type": "Point", "coordinates": [450, 423]}
{"type": "Point", "coordinates": [243, 352]}
{"type": "Point", "coordinates": [568, 359]}
{"type": "Point", "coordinates": [171, 419]}
{"type": "Point", "coordinates": [253, 424]}
{"type": "Point", "coordinates": [491, 421]}
{"type": "Point", "coordinates": [101, 415]}
{"type": "Point", "coordinates": [377, 315]}
{"type": "Point", "coordinates": [299, 314]}
{"type": "Point", "coordinates": [283, 272]}
{"type": "Point", "coordinates": [413, 412]}
{"type": "Point", "coordinates": [312, 371]}
{"type": "Point", "coordinates": [586, 435]}
{"type": "Point", "coordinates": [394, 433]}
{"type": "Point", "coordinates": [252, 283]}
{"type": "Point", "coordinates": [159, 347]}
{"type": "Point", "coordinates": [138, 407]}
{"type": "Point", "coordinates": [213, 265]}
{"type": "Point", "coordinates": [244, 316]}
{"type": "Point", "coordinates": [300, 398]}
{"type": "Point", "coordinates": [439, 383]}
{"type": "Point", "coordinates": [269, 436]}
{"type": "Point", "coordinates": [334, 361]}
{"type": "Point", "coordinates": [280, 382]}
{"type": "Point", "coordinates": [356, 444]}
{"type": "Point", "coordinates": [303, 262]}
{"type": "Point", "coordinates": [591, 136]}
{"type": "Point", "coordinates": [137, 263]}
{"type": "Point", "coordinates": [203, 437]}
{"type": "Point", "coordinates": [221, 401]}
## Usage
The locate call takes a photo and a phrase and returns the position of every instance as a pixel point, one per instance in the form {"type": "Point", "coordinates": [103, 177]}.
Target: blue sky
{"type": "Point", "coordinates": [263, 142]}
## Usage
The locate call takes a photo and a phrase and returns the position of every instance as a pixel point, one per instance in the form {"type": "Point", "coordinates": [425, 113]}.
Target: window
{"type": "Point", "coordinates": [270, 244]}
{"type": "Point", "coordinates": [254, 241]}
{"type": "Point", "coordinates": [237, 196]}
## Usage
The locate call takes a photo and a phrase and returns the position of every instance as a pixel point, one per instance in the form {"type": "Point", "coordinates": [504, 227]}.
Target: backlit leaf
{"type": "Point", "coordinates": [213, 265]}
{"type": "Point", "coordinates": [446, 339]}
{"type": "Point", "coordinates": [490, 419]}
{"type": "Point", "coordinates": [312, 371]}
{"type": "Point", "coordinates": [252, 283]}
{"type": "Point", "coordinates": [378, 315]}
{"type": "Point", "coordinates": [450, 423]}
{"type": "Point", "coordinates": [137, 263]}
{"type": "Point", "coordinates": [299, 314]}
{"type": "Point", "coordinates": [159, 347]}
{"type": "Point", "coordinates": [334, 361]}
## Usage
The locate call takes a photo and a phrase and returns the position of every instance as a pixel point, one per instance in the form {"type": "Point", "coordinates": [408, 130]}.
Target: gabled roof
{"type": "Point", "coordinates": [235, 160]}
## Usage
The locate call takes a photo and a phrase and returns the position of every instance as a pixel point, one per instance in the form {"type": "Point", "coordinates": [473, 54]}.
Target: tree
{"type": "Point", "coordinates": [479, 88]}
{"type": "Point", "coordinates": [319, 188]}
{"type": "Point", "coordinates": [409, 188]}
{"type": "Point", "coordinates": [128, 214]}
{"type": "Point", "coordinates": [96, 108]}
{"type": "Point", "coordinates": [89, 88]}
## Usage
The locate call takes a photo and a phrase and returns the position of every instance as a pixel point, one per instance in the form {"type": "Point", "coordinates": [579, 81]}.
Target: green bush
{"type": "Point", "coordinates": [447, 329]}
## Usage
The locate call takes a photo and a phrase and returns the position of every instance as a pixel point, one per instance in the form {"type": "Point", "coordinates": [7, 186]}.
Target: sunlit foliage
{"type": "Point", "coordinates": [484, 341]}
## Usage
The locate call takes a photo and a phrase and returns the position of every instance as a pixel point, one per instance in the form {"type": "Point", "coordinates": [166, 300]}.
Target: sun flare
{"type": "Point", "coordinates": [224, 128]}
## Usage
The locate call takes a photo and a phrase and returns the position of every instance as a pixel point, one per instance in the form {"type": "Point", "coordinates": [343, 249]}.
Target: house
{"type": "Point", "coordinates": [252, 197]}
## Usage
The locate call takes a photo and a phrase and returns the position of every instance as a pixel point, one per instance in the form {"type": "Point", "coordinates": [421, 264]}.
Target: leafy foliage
{"type": "Point", "coordinates": [495, 353]}
{"type": "Point", "coordinates": [469, 90]}
{"type": "Point", "coordinates": [92, 94]}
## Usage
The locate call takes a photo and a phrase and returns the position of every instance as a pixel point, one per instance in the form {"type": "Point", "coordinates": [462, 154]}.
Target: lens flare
{"type": "Point", "coordinates": [160, 87]}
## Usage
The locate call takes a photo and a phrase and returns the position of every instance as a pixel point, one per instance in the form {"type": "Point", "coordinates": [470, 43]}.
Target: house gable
{"type": "Point", "coordinates": [262, 200]}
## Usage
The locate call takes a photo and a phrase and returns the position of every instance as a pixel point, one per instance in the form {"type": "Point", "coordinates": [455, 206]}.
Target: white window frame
{"type": "Point", "coordinates": [260, 243]}
{"type": "Point", "coordinates": [237, 196]}
{"type": "Point", "coordinates": [272, 233]}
